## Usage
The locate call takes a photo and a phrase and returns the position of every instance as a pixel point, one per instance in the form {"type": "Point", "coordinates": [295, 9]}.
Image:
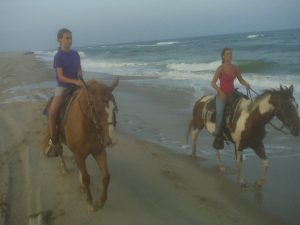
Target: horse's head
{"type": "Point", "coordinates": [287, 110]}
{"type": "Point", "coordinates": [105, 108]}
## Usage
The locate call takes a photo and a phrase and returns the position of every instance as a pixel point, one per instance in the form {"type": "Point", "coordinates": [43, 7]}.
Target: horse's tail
{"type": "Point", "coordinates": [189, 131]}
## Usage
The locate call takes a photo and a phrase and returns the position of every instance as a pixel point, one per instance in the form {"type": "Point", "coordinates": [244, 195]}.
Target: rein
{"type": "Point", "coordinates": [93, 112]}
{"type": "Point", "coordinates": [280, 129]}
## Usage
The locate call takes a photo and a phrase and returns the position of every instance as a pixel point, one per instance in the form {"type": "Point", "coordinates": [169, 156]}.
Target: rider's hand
{"type": "Point", "coordinates": [248, 87]}
{"type": "Point", "coordinates": [78, 83]}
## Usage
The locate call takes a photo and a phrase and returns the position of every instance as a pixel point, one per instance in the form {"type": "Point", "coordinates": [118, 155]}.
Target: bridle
{"type": "Point", "coordinates": [287, 122]}
{"type": "Point", "coordinates": [93, 115]}
{"type": "Point", "coordinates": [284, 121]}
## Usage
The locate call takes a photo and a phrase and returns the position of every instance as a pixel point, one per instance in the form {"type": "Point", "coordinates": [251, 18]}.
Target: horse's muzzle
{"type": "Point", "coordinates": [295, 132]}
{"type": "Point", "coordinates": [295, 128]}
{"type": "Point", "coordinates": [111, 142]}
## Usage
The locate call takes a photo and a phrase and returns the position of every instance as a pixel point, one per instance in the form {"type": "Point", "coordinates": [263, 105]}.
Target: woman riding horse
{"type": "Point", "coordinates": [246, 128]}
{"type": "Point", "coordinates": [226, 74]}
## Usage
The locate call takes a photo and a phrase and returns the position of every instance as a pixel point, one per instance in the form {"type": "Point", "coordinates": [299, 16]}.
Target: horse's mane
{"type": "Point", "coordinates": [95, 86]}
{"type": "Point", "coordinates": [266, 92]}
{"type": "Point", "coordinates": [272, 91]}
{"type": "Point", "coordinates": [99, 94]}
{"type": "Point", "coordinates": [283, 91]}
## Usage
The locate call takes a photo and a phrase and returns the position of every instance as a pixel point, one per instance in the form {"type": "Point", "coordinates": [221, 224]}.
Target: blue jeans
{"type": "Point", "coordinates": [220, 105]}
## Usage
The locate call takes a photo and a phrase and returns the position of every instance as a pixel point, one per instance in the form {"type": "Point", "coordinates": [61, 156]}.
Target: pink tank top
{"type": "Point", "coordinates": [227, 83]}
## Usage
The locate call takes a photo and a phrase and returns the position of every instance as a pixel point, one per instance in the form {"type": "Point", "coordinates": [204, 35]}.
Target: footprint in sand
{"type": "Point", "coordinates": [176, 179]}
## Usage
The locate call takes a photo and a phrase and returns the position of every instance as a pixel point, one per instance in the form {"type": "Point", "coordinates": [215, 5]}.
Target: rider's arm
{"type": "Point", "coordinates": [240, 78]}
{"type": "Point", "coordinates": [214, 81]}
{"type": "Point", "coordinates": [61, 77]}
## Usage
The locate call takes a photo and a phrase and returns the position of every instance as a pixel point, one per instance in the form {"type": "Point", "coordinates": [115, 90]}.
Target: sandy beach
{"type": "Point", "coordinates": [149, 184]}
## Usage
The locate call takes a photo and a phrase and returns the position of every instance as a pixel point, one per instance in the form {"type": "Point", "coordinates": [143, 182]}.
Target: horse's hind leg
{"type": "Point", "coordinates": [195, 134]}
{"type": "Point", "coordinates": [85, 179]}
{"type": "Point", "coordinates": [220, 163]}
{"type": "Point", "coordinates": [102, 163]}
{"type": "Point", "coordinates": [62, 161]}
{"type": "Point", "coordinates": [239, 164]}
{"type": "Point", "coordinates": [260, 151]}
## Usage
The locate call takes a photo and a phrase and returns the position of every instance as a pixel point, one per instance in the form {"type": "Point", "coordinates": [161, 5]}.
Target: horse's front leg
{"type": "Point", "coordinates": [220, 163]}
{"type": "Point", "coordinates": [260, 151]}
{"type": "Point", "coordinates": [260, 182]}
{"type": "Point", "coordinates": [239, 164]}
{"type": "Point", "coordinates": [103, 166]}
{"type": "Point", "coordinates": [85, 180]}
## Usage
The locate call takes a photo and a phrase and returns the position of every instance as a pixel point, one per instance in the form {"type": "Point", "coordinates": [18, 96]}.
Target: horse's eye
{"type": "Point", "coordinates": [288, 106]}
{"type": "Point", "coordinates": [291, 107]}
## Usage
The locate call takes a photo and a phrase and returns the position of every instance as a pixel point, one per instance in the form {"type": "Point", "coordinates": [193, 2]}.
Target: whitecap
{"type": "Point", "coordinates": [250, 36]}
{"type": "Point", "coordinates": [167, 43]}
{"type": "Point", "coordinates": [194, 67]}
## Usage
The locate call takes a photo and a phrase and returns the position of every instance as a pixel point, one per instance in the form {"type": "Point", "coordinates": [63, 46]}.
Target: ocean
{"type": "Point", "coordinates": [266, 59]}
{"type": "Point", "coordinates": [164, 78]}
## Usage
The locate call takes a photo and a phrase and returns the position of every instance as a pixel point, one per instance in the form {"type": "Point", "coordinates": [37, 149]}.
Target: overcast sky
{"type": "Point", "coordinates": [33, 24]}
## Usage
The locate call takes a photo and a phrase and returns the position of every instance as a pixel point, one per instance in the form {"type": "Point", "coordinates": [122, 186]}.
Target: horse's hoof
{"type": "Point", "coordinates": [100, 204]}
{"type": "Point", "coordinates": [101, 201]}
{"type": "Point", "coordinates": [64, 170]}
{"type": "Point", "coordinates": [244, 185]}
{"type": "Point", "coordinates": [4, 209]}
{"type": "Point", "coordinates": [222, 169]}
{"type": "Point", "coordinates": [194, 156]}
{"type": "Point", "coordinates": [258, 185]}
{"type": "Point", "coordinates": [91, 207]}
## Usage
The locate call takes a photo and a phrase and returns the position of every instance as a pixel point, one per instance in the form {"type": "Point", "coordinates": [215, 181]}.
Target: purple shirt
{"type": "Point", "coordinates": [70, 64]}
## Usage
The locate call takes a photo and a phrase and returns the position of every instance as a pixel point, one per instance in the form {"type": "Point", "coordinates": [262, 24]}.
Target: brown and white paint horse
{"type": "Point", "coordinates": [88, 130]}
{"type": "Point", "coordinates": [246, 129]}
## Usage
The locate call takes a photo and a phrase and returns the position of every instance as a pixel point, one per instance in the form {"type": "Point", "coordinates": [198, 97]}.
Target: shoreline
{"type": "Point", "coordinates": [149, 185]}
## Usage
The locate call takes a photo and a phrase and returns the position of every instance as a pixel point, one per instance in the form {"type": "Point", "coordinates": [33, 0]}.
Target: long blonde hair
{"type": "Point", "coordinates": [61, 33]}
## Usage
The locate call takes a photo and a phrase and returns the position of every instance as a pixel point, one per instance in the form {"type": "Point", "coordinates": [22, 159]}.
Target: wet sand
{"type": "Point", "coordinates": [149, 184]}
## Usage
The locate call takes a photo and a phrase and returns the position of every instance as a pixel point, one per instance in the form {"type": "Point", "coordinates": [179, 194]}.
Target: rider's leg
{"type": "Point", "coordinates": [57, 101]}
{"type": "Point", "coordinates": [220, 105]}
{"type": "Point", "coordinates": [53, 113]}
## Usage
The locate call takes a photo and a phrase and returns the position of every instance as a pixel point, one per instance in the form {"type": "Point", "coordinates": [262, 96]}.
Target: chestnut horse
{"type": "Point", "coordinates": [246, 126]}
{"type": "Point", "coordinates": [89, 129]}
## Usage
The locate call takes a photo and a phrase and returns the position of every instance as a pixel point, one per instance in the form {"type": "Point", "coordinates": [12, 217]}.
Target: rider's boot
{"type": "Point", "coordinates": [219, 141]}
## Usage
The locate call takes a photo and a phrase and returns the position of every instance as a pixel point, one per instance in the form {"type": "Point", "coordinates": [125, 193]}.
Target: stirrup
{"type": "Point", "coordinates": [218, 142]}
{"type": "Point", "coordinates": [52, 149]}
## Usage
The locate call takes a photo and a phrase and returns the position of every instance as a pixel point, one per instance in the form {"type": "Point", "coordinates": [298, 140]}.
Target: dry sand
{"type": "Point", "coordinates": [149, 185]}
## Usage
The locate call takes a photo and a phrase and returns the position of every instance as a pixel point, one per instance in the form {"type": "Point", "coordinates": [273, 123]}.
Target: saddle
{"type": "Point", "coordinates": [231, 105]}
{"type": "Point", "coordinates": [210, 113]}
{"type": "Point", "coordinates": [63, 113]}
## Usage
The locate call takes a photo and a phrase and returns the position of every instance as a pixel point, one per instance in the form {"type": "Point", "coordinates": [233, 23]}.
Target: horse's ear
{"type": "Point", "coordinates": [114, 84]}
{"type": "Point", "coordinates": [281, 89]}
{"type": "Point", "coordinates": [291, 88]}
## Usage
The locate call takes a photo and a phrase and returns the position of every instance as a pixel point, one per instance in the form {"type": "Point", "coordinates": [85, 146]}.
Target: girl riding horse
{"type": "Point", "coordinates": [226, 74]}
